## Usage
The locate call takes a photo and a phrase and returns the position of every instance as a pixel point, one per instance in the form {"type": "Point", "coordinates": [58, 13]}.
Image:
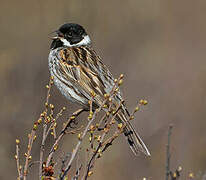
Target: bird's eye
{"type": "Point", "coordinates": [69, 34]}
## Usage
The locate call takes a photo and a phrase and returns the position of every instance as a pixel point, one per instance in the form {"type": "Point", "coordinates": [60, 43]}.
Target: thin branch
{"type": "Point", "coordinates": [44, 136]}
{"type": "Point", "coordinates": [64, 160]}
{"type": "Point", "coordinates": [63, 132]}
{"type": "Point", "coordinates": [42, 150]}
{"type": "Point", "coordinates": [100, 144]}
{"type": "Point", "coordinates": [168, 155]}
{"type": "Point", "coordinates": [28, 154]}
{"type": "Point", "coordinates": [91, 118]}
{"type": "Point", "coordinates": [68, 166]}
{"type": "Point", "coordinates": [17, 160]}
{"type": "Point", "coordinates": [101, 136]}
{"type": "Point", "coordinates": [32, 163]}
{"type": "Point", "coordinates": [77, 174]}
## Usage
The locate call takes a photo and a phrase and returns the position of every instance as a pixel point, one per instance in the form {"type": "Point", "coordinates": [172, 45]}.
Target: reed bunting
{"type": "Point", "coordinates": [78, 71]}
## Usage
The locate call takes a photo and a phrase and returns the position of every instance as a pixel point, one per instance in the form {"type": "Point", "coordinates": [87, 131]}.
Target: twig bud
{"type": "Point", "coordinates": [51, 106]}
{"type": "Point", "coordinates": [90, 116]}
{"type": "Point", "coordinates": [113, 122]}
{"type": "Point", "coordinates": [106, 96]}
{"type": "Point", "coordinates": [48, 119]}
{"type": "Point", "coordinates": [64, 108]}
{"type": "Point", "coordinates": [93, 93]}
{"type": "Point", "coordinates": [116, 90]}
{"type": "Point", "coordinates": [39, 120]}
{"type": "Point", "coordinates": [179, 169]}
{"type": "Point", "coordinates": [92, 127]}
{"type": "Point", "coordinates": [42, 114]}
{"type": "Point", "coordinates": [121, 76]}
{"type": "Point", "coordinates": [136, 109]}
{"type": "Point", "coordinates": [106, 130]}
{"type": "Point", "coordinates": [191, 175]}
{"type": "Point", "coordinates": [72, 117]}
{"type": "Point", "coordinates": [52, 77]}
{"type": "Point", "coordinates": [55, 147]}
{"type": "Point", "coordinates": [35, 127]}
{"type": "Point", "coordinates": [120, 82]}
{"type": "Point", "coordinates": [17, 141]}
{"type": "Point", "coordinates": [120, 126]}
{"type": "Point", "coordinates": [90, 173]}
{"type": "Point", "coordinates": [143, 102]}
{"type": "Point", "coordinates": [105, 106]}
{"type": "Point", "coordinates": [79, 136]}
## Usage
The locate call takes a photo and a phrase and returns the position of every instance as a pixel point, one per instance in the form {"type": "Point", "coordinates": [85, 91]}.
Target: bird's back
{"type": "Point", "coordinates": [81, 70]}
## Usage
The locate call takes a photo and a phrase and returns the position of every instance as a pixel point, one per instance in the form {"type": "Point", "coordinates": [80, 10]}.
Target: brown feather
{"type": "Point", "coordinates": [82, 70]}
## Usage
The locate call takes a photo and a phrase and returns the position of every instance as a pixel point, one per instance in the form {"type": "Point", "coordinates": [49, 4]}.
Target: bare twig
{"type": "Point", "coordinates": [77, 174]}
{"type": "Point", "coordinates": [17, 159]}
{"type": "Point", "coordinates": [32, 163]}
{"type": "Point", "coordinates": [44, 136]}
{"type": "Point", "coordinates": [42, 150]}
{"type": "Point", "coordinates": [74, 131]}
{"type": "Point", "coordinates": [168, 155]}
{"type": "Point", "coordinates": [89, 165]}
{"type": "Point", "coordinates": [68, 123]}
{"type": "Point", "coordinates": [28, 154]}
{"type": "Point", "coordinates": [63, 161]}
{"type": "Point", "coordinates": [68, 166]}
{"type": "Point", "coordinates": [91, 118]}
{"type": "Point", "coordinates": [100, 137]}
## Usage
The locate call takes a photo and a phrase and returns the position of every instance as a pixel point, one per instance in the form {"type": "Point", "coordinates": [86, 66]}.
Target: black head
{"type": "Point", "coordinates": [70, 35]}
{"type": "Point", "coordinates": [73, 33]}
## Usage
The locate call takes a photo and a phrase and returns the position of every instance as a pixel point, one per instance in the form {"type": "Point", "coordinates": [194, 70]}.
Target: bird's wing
{"type": "Point", "coordinates": [82, 68]}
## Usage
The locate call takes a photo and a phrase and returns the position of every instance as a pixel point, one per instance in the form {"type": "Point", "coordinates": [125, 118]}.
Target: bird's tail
{"type": "Point", "coordinates": [135, 142]}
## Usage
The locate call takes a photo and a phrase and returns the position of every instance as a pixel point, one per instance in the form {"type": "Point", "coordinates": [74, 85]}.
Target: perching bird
{"type": "Point", "coordinates": [78, 71]}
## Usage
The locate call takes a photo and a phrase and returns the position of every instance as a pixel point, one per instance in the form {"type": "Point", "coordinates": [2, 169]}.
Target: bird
{"type": "Point", "coordinates": [78, 70]}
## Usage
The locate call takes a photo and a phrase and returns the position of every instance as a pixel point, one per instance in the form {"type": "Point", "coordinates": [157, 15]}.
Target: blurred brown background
{"type": "Point", "coordinates": [159, 45]}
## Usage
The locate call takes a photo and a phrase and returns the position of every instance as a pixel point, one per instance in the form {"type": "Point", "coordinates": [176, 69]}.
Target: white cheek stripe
{"type": "Point", "coordinates": [85, 41]}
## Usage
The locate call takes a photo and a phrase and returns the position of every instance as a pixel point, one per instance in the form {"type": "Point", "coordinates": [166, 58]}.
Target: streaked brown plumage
{"type": "Point", "coordinates": [78, 71]}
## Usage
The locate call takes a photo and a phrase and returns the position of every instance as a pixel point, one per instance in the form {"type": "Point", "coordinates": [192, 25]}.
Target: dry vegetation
{"type": "Point", "coordinates": [100, 132]}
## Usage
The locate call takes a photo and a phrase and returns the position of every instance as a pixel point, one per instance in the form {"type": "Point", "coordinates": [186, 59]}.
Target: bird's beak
{"type": "Point", "coordinates": [55, 35]}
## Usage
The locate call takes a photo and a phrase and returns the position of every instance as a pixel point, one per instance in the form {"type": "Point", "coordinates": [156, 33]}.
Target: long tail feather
{"type": "Point", "coordinates": [135, 142]}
